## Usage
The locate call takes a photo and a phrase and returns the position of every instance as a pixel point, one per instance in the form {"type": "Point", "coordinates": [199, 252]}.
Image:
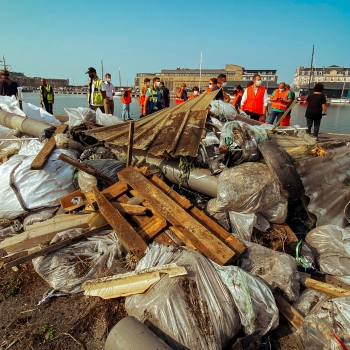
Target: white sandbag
{"type": "Point", "coordinates": [279, 270]}
{"type": "Point", "coordinates": [223, 110]}
{"type": "Point", "coordinates": [188, 312]}
{"type": "Point", "coordinates": [32, 189]}
{"type": "Point", "coordinates": [308, 300]}
{"type": "Point", "coordinates": [68, 268]}
{"type": "Point", "coordinates": [11, 105]}
{"type": "Point", "coordinates": [40, 114]}
{"type": "Point", "coordinates": [332, 244]}
{"type": "Point", "coordinates": [246, 188]}
{"type": "Point", "coordinates": [327, 327]}
{"type": "Point", "coordinates": [107, 119]}
{"type": "Point", "coordinates": [78, 115]}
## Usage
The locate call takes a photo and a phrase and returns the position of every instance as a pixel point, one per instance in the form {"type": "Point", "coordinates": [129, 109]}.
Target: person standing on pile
{"type": "Point", "coordinates": [8, 87]}
{"type": "Point", "coordinates": [165, 95]}
{"type": "Point", "coordinates": [195, 92]}
{"type": "Point", "coordinates": [153, 102]}
{"type": "Point", "coordinates": [238, 93]}
{"type": "Point", "coordinates": [254, 100]}
{"type": "Point", "coordinates": [95, 95]}
{"type": "Point", "coordinates": [316, 108]}
{"type": "Point", "coordinates": [221, 83]}
{"type": "Point", "coordinates": [181, 94]}
{"type": "Point", "coordinates": [143, 90]}
{"type": "Point", "coordinates": [126, 100]}
{"type": "Point", "coordinates": [213, 85]}
{"type": "Point", "coordinates": [109, 90]}
{"type": "Point", "coordinates": [47, 95]}
{"type": "Point", "coordinates": [280, 98]}
{"type": "Point", "coordinates": [286, 119]}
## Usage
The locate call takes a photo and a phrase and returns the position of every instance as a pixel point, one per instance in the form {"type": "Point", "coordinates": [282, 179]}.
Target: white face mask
{"type": "Point", "coordinates": [281, 90]}
{"type": "Point", "coordinates": [108, 79]}
{"type": "Point", "coordinates": [224, 84]}
{"type": "Point", "coordinates": [258, 82]}
{"type": "Point", "coordinates": [195, 92]}
{"type": "Point", "coordinates": [158, 83]}
{"type": "Point", "coordinates": [210, 86]}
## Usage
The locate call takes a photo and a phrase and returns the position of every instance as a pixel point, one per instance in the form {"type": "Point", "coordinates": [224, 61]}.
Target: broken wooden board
{"type": "Point", "coordinates": [55, 247]}
{"type": "Point", "coordinates": [130, 209]}
{"type": "Point", "coordinates": [66, 201]}
{"type": "Point", "coordinates": [127, 235]}
{"type": "Point", "coordinates": [208, 244]}
{"type": "Point", "coordinates": [234, 243]}
{"type": "Point", "coordinates": [135, 282]}
{"type": "Point", "coordinates": [44, 232]}
{"type": "Point", "coordinates": [40, 160]}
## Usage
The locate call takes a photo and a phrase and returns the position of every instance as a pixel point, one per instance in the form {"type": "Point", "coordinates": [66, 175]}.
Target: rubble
{"type": "Point", "coordinates": [199, 235]}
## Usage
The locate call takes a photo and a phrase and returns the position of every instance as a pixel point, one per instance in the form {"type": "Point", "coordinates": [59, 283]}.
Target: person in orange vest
{"type": "Point", "coordinates": [254, 100]}
{"type": "Point", "coordinates": [181, 94]}
{"type": "Point", "coordinates": [238, 93]}
{"type": "Point", "coordinates": [280, 99]}
{"type": "Point", "coordinates": [286, 119]}
{"type": "Point", "coordinates": [212, 85]}
{"type": "Point", "coordinates": [195, 92]}
{"type": "Point", "coordinates": [143, 90]}
{"type": "Point", "coordinates": [126, 100]}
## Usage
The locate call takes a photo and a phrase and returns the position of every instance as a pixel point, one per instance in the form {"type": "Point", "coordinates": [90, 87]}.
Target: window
{"type": "Point", "coordinates": [320, 79]}
{"type": "Point", "coordinates": [302, 73]}
{"type": "Point", "coordinates": [332, 79]}
{"type": "Point", "coordinates": [325, 79]}
{"type": "Point", "coordinates": [338, 79]}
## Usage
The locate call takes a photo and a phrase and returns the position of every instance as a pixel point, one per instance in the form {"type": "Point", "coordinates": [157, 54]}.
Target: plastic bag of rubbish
{"type": "Point", "coordinates": [78, 115]}
{"type": "Point", "coordinates": [327, 327]}
{"type": "Point", "coordinates": [308, 300]}
{"type": "Point", "coordinates": [240, 142]}
{"type": "Point", "coordinates": [332, 244]}
{"type": "Point", "coordinates": [195, 311]}
{"type": "Point", "coordinates": [246, 188]}
{"type": "Point", "coordinates": [68, 268]}
{"type": "Point", "coordinates": [107, 119]}
{"type": "Point", "coordinates": [23, 189]}
{"type": "Point", "coordinates": [279, 270]}
{"type": "Point", "coordinates": [96, 152]}
{"type": "Point", "coordinates": [40, 114]}
{"type": "Point", "coordinates": [11, 105]}
{"type": "Point", "coordinates": [277, 213]}
{"type": "Point", "coordinates": [223, 110]}
{"type": "Point", "coordinates": [242, 224]}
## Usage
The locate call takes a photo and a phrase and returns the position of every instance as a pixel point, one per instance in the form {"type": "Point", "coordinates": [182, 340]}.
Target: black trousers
{"type": "Point", "coordinates": [253, 115]}
{"type": "Point", "coordinates": [48, 107]}
{"type": "Point", "coordinates": [102, 108]}
{"type": "Point", "coordinates": [316, 123]}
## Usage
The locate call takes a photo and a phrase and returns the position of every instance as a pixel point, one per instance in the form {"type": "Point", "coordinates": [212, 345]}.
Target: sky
{"type": "Point", "coordinates": [61, 39]}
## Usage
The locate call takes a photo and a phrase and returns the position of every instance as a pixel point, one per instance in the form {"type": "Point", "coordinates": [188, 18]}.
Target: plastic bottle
{"type": "Point", "coordinates": [10, 230]}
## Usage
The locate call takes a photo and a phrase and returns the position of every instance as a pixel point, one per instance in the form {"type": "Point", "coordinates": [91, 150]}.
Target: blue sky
{"type": "Point", "coordinates": [61, 39]}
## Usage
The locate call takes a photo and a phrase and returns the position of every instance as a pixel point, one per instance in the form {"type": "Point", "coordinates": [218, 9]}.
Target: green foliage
{"type": "Point", "coordinates": [186, 165]}
{"type": "Point", "coordinates": [10, 286]}
{"type": "Point", "coordinates": [44, 333]}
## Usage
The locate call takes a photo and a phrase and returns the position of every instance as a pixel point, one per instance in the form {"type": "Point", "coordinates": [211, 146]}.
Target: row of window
{"type": "Point", "coordinates": [261, 73]}
{"type": "Point", "coordinates": [325, 79]}
{"type": "Point", "coordinates": [321, 72]}
{"type": "Point", "coordinates": [262, 78]}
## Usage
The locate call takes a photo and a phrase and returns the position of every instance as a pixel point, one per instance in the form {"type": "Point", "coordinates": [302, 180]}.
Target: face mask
{"type": "Point", "coordinates": [210, 86]}
{"type": "Point", "coordinates": [224, 84]}
{"type": "Point", "coordinates": [108, 79]}
{"type": "Point", "coordinates": [158, 83]}
{"type": "Point", "coordinates": [91, 76]}
{"type": "Point", "coordinates": [147, 84]}
{"type": "Point", "coordinates": [258, 82]}
{"type": "Point", "coordinates": [195, 93]}
{"type": "Point", "coordinates": [281, 90]}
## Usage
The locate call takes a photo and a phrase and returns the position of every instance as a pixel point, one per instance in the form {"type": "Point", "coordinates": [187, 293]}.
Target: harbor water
{"type": "Point", "coordinates": [337, 120]}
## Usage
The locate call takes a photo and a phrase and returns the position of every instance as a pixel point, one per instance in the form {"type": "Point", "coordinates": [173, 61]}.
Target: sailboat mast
{"type": "Point", "coordinates": [102, 68]}
{"type": "Point", "coordinates": [312, 60]}
{"type": "Point", "coordinates": [120, 79]}
{"type": "Point", "coordinates": [200, 73]}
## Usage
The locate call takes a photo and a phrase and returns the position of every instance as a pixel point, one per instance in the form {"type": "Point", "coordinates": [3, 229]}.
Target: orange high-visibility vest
{"type": "Point", "coordinates": [280, 104]}
{"type": "Point", "coordinates": [255, 103]}
{"type": "Point", "coordinates": [127, 99]}
{"type": "Point", "coordinates": [209, 90]}
{"type": "Point", "coordinates": [142, 95]}
{"type": "Point", "coordinates": [234, 101]}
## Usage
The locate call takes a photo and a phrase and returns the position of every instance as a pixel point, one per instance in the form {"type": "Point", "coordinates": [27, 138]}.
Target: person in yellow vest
{"type": "Point", "coordinates": [47, 95]}
{"type": "Point", "coordinates": [280, 99]}
{"type": "Point", "coordinates": [95, 95]}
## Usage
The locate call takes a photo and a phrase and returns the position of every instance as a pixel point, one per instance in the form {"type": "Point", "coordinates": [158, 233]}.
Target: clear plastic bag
{"type": "Point", "coordinates": [86, 181]}
{"type": "Point", "coordinates": [277, 213]}
{"type": "Point", "coordinates": [332, 244]}
{"type": "Point", "coordinates": [68, 268]}
{"type": "Point", "coordinates": [39, 216]}
{"type": "Point", "coordinates": [308, 300]}
{"type": "Point", "coordinates": [242, 224]}
{"type": "Point", "coordinates": [188, 312]}
{"type": "Point", "coordinates": [107, 119]}
{"type": "Point", "coordinates": [327, 327]}
{"type": "Point", "coordinates": [279, 270]}
{"type": "Point", "coordinates": [78, 115]}
{"type": "Point", "coordinates": [246, 188]}
{"type": "Point", "coordinates": [223, 110]}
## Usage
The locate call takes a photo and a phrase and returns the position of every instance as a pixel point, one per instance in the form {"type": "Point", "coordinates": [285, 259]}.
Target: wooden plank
{"type": "Point", "coordinates": [55, 247]}
{"type": "Point", "coordinates": [39, 161]}
{"type": "Point", "coordinates": [127, 235]}
{"type": "Point", "coordinates": [234, 243]}
{"type": "Point", "coordinates": [322, 287]}
{"type": "Point", "coordinates": [130, 143]}
{"type": "Point", "coordinates": [129, 208]}
{"type": "Point", "coordinates": [201, 238]}
{"type": "Point", "coordinates": [66, 201]}
{"type": "Point", "coordinates": [288, 311]}
{"type": "Point", "coordinates": [115, 190]}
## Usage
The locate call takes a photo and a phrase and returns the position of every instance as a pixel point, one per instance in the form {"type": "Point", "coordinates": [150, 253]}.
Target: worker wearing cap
{"type": "Point", "coordinates": [8, 87]}
{"type": "Point", "coordinates": [95, 94]}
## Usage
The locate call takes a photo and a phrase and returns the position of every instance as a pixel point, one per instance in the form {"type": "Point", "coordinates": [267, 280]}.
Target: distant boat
{"type": "Point", "coordinates": [341, 99]}
{"type": "Point", "coordinates": [118, 93]}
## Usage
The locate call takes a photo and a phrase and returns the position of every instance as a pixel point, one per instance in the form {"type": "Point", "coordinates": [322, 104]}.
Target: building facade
{"type": "Point", "coordinates": [194, 77]}
{"type": "Point", "coordinates": [34, 82]}
{"type": "Point", "coordinates": [333, 74]}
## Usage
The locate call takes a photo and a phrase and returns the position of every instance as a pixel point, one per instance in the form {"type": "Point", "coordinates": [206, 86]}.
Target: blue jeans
{"type": "Point", "coordinates": [126, 111]}
{"type": "Point", "coordinates": [274, 115]}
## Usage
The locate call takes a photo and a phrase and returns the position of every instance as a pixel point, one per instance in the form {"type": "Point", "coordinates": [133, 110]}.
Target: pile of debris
{"type": "Point", "coordinates": [202, 218]}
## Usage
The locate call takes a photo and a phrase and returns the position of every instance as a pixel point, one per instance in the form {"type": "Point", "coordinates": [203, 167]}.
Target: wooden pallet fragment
{"type": "Point", "coordinates": [200, 237]}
